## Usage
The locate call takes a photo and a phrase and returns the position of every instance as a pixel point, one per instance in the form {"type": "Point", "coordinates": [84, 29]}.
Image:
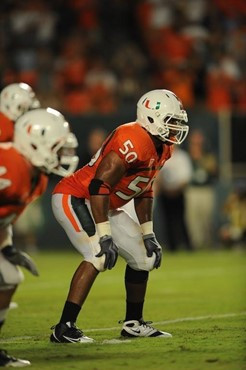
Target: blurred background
{"type": "Point", "coordinates": [93, 59]}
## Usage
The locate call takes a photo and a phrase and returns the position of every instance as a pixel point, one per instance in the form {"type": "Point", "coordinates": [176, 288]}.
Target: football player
{"type": "Point", "coordinates": [15, 99]}
{"type": "Point", "coordinates": [42, 145]}
{"type": "Point", "coordinates": [87, 205]}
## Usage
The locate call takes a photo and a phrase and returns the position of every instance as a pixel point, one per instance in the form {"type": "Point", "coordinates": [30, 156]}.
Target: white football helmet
{"type": "Point", "coordinates": [43, 136]}
{"type": "Point", "coordinates": [161, 113]}
{"type": "Point", "coordinates": [68, 160]}
{"type": "Point", "coordinates": [16, 99]}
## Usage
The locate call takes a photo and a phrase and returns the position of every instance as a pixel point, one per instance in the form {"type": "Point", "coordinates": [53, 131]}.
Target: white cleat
{"type": "Point", "coordinates": [13, 305]}
{"type": "Point", "coordinates": [10, 361]}
{"type": "Point", "coordinates": [135, 328]}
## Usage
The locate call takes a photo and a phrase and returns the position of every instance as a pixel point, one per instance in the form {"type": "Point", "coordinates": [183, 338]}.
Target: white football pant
{"type": "Point", "coordinates": [126, 234]}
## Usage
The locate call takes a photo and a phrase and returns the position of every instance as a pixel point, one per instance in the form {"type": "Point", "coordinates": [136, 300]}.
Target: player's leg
{"type": "Point", "coordinates": [66, 330]}
{"type": "Point", "coordinates": [10, 275]}
{"type": "Point", "coordinates": [6, 294]}
{"type": "Point", "coordinates": [10, 361]}
{"type": "Point", "coordinates": [127, 235]}
{"type": "Point", "coordinates": [74, 216]}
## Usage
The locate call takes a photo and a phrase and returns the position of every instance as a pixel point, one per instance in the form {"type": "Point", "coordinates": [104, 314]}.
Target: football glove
{"type": "Point", "coordinates": [20, 258]}
{"type": "Point", "coordinates": [110, 249]}
{"type": "Point", "coordinates": [152, 246]}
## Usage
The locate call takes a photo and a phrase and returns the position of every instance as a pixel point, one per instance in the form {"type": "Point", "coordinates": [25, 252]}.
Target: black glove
{"type": "Point", "coordinates": [19, 258]}
{"type": "Point", "coordinates": [152, 246]}
{"type": "Point", "coordinates": [110, 249]}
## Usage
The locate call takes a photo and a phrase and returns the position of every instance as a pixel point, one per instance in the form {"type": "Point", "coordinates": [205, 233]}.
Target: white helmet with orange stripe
{"type": "Point", "coordinates": [161, 113]}
{"type": "Point", "coordinates": [43, 136]}
{"type": "Point", "coordinates": [16, 99]}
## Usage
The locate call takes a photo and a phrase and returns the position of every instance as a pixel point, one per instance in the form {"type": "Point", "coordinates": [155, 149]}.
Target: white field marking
{"type": "Point", "coordinates": [16, 339]}
{"type": "Point", "coordinates": [167, 322]}
{"type": "Point", "coordinates": [116, 341]}
{"type": "Point", "coordinates": [182, 319]}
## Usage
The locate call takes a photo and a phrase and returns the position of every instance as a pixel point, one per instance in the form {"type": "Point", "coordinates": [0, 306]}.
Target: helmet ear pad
{"type": "Point", "coordinates": [161, 113]}
{"type": "Point", "coordinates": [40, 135]}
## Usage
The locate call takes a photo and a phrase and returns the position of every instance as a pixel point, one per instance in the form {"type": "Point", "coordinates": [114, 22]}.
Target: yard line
{"type": "Point", "coordinates": [197, 318]}
{"type": "Point", "coordinates": [182, 319]}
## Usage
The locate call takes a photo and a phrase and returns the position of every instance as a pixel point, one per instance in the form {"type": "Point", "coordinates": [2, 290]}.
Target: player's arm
{"type": "Point", "coordinates": [7, 216]}
{"type": "Point", "coordinates": [144, 206]}
{"type": "Point", "coordinates": [108, 174]}
{"type": "Point", "coordinates": [144, 211]}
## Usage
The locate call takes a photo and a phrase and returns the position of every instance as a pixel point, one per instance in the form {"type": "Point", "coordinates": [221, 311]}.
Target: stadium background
{"type": "Point", "coordinates": [93, 59]}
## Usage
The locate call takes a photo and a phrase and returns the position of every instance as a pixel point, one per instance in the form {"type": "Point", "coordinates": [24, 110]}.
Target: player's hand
{"type": "Point", "coordinates": [20, 258]}
{"type": "Point", "coordinates": [110, 249]}
{"type": "Point", "coordinates": [152, 246]}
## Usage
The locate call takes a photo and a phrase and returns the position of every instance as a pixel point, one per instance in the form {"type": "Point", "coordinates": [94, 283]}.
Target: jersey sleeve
{"type": "Point", "coordinates": [11, 184]}
{"type": "Point", "coordinates": [6, 129]}
{"type": "Point", "coordinates": [7, 200]}
{"type": "Point", "coordinates": [8, 185]}
{"type": "Point", "coordinates": [147, 193]}
{"type": "Point", "coordinates": [125, 143]}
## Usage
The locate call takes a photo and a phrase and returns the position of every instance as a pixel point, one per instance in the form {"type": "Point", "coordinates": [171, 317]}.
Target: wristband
{"type": "Point", "coordinates": [147, 227]}
{"type": "Point", "coordinates": [103, 228]}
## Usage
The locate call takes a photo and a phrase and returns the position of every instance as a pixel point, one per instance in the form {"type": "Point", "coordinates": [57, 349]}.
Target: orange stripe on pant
{"type": "Point", "coordinates": [68, 213]}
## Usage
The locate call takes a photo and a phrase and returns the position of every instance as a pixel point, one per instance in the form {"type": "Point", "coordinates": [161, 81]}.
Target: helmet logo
{"type": "Point", "coordinates": [158, 104]}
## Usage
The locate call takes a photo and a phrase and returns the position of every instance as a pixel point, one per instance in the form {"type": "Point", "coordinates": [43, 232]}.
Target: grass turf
{"type": "Point", "coordinates": [191, 296]}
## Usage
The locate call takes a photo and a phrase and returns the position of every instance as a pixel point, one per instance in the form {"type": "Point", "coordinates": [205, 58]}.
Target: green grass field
{"type": "Point", "coordinates": [200, 298]}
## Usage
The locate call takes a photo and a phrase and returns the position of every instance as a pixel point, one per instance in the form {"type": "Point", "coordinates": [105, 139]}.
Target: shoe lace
{"type": "Point", "coordinates": [78, 331]}
{"type": "Point", "coordinates": [141, 322]}
{"type": "Point", "coordinates": [146, 324]}
{"type": "Point", "coordinates": [73, 326]}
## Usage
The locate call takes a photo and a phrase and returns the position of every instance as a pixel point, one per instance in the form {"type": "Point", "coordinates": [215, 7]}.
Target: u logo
{"type": "Point", "coordinates": [158, 104]}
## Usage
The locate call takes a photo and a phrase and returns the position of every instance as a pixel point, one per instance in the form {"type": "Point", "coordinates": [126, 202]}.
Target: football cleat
{"type": "Point", "coordinates": [10, 361]}
{"type": "Point", "coordinates": [13, 305]}
{"type": "Point", "coordinates": [68, 333]}
{"type": "Point", "coordinates": [140, 328]}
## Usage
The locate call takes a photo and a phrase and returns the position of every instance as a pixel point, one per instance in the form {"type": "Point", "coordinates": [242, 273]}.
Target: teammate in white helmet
{"type": "Point", "coordinates": [43, 144]}
{"type": "Point", "coordinates": [15, 99]}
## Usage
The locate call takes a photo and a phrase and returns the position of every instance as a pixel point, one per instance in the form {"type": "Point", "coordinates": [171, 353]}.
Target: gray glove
{"type": "Point", "coordinates": [152, 246]}
{"type": "Point", "coordinates": [110, 249]}
{"type": "Point", "coordinates": [20, 258]}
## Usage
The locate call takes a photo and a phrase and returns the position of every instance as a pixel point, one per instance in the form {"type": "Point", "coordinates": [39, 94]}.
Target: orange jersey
{"type": "Point", "coordinates": [18, 186]}
{"type": "Point", "coordinates": [135, 147]}
{"type": "Point", "coordinates": [6, 128]}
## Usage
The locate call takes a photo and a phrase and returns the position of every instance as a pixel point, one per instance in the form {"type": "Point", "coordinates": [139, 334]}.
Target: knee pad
{"type": "Point", "coordinates": [134, 276]}
{"type": "Point", "coordinates": [10, 275]}
{"type": "Point", "coordinates": [142, 264]}
{"type": "Point", "coordinates": [90, 253]}
{"type": "Point", "coordinates": [98, 263]}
